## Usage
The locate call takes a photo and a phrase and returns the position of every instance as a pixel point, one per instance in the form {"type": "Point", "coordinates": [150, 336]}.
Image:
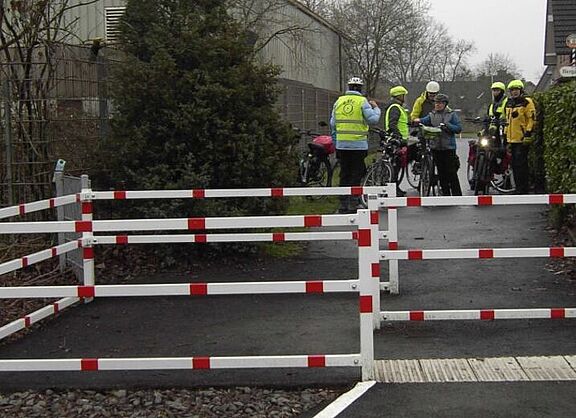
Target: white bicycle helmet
{"type": "Point", "coordinates": [432, 87]}
{"type": "Point", "coordinates": [355, 81]}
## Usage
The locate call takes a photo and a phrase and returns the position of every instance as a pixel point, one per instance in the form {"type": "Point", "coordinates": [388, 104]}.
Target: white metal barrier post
{"type": "Point", "coordinates": [366, 292]}
{"type": "Point", "coordinates": [87, 235]}
{"type": "Point", "coordinates": [393, 285]}
{"type": "Point", "coordinates": [373, 207]}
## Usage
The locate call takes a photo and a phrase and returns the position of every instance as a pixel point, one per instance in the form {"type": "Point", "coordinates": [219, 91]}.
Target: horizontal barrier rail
{"type": "Point", "coordinates": [484, 253]}
{"type": "Point", "coordinates": [174, 363]}
{"type": "Point", "coordinates": [180, 289]}
{"type": "Point", "coordinates": [182, 224]}
{"type": "Point", "coordinates": [416, 201]}
{"type": "Point", "coordinates": [231, 193]}
{"type": "Point", "coordinates": [481, 314]}
{"type": "Point", "coordinates": [28, 260]}
{"type": "Point", "coordinates": [36, 316]}
{"type": "Point", "coordinates": [203, 238]}
{"type": "Point", "coordinates": [25, 208]}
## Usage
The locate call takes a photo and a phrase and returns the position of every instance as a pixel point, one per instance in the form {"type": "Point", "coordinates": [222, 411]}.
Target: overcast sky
{"type": "Point", "coordinates": [512, 27]}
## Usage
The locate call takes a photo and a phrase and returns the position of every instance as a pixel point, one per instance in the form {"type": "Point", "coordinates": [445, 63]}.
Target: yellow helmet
{"type": "Point", "coordinates": [498, 85]}
{"type": "Point", "coordinates": [516, 84]}
{"type": "Point", "coordinates": [398, 91]}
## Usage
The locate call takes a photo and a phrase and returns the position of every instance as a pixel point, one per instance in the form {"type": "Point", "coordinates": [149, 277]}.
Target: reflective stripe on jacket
{"type": "Point", "coordinates": [520, 118]}
{"type": "Point", "coordinates": [500, 109]}
{"type": "Point", "coordinates": [402, 123]}
{"type": "Point", "coordinates": [349, 119]}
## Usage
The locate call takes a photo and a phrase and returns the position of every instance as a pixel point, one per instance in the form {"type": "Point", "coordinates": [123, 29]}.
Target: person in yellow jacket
{"type": "Point", "coordinates": [520, 119]}
{"type": "Point", "coordinates": [424, 104]}
{"type": "Point", "coordinates": [351, 116]}
{"type": "Point", "coordinates": [396, 121]}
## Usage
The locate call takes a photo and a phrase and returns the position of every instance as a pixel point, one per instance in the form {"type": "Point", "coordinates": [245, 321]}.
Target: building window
{"type": "Point", "coordinates": [113, 15]}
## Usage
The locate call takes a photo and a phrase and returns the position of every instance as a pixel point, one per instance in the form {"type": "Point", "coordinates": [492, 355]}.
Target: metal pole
{"type": "Point", "coordinates": [8, 140]}
{"type": "Point", "coordinates": [58, 180]}
{"type": "Point", "coordinates": [573, 57]}
{"type": "Point", "coordinates": [101, 74]}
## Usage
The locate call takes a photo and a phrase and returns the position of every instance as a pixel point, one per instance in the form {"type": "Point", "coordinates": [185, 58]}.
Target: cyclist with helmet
{"type": "Point", "coordinates": [520, 118]}
{"type": "Point", "coordinates": [351, 116]}
{"type": "Point", "coordinates": [444, 149]}
{"type": "Point", "coordinates": [396, 121]}
{"type": "Point", "coordinates": [496, 110]}
{"type": "Point", "coordinates": [424, 104]}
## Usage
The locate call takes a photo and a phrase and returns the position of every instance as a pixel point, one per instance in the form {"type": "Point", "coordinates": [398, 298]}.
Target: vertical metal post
{"type": "Point", "coordinates": [8, 140]}
{"type": "Point", "coordinates": [87, 237]}
{"type": "Point", "coordinates": [573, 57]}
{"type": "Point", "coordinates": [101, 75]}
{"type": "Point", "coordinates": [366, 290]}
{"type": "Point", "coordinates": [392, 241]}
{"type": "Point", "coordinates": [375, 255]}
{"type": "Point", "coordinates": [58, 180]}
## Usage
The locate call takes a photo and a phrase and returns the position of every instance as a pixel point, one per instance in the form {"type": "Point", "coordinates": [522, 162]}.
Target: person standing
{"type": "Point", "coordinates": [396, 122]}
{"type": "Point", "coordinates": [444, 149]}
{"type": "Point", "coordinates": [351, 116]}
{"type": "Point", "coordinates": [424, 104]}
{"type": "Point", "coordinates": [520, 119]}
{"type": "Point", "coordinates": [496, 114]}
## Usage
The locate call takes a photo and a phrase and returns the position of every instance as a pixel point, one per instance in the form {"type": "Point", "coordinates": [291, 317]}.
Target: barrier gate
{"type": "Point", "coordinates": [364, 228]}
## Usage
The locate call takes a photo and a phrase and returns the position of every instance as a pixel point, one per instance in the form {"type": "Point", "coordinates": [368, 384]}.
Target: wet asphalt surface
{"type": "Point", "coordinates": [328, 324]}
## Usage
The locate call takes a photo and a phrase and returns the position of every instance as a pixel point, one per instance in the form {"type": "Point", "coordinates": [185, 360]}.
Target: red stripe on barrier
{"type": "Point", "coordinates": [312, 220]}
{"type": "Point", "coordinates": [374, 217]}
{"type": "Point", "coordinates": [27, 321]}
{"type": "Point", "coordinates": [24, 262]}
{"type": "Point", "coordinates": [89, 364]}
{"type": "Point", "coordinates": [200, 362]}
{"type": "Point", "coordinates": [21, 209]}
{"type": "Point", "coordinates": [413, 201]}
{"type": "Point", "coordinates": [557, 252]}
{"type": "Point", "coordinates": [79, 241]}
{"type": "Point", "coordinates": [88, 253]}
{"type": "Point", "coordinates": [203, 238]}
{"type": "Point", "coordinates": [278, 236]}
{"type": "Point", "coordinates": [392, 245]}
{"type": "Point", "coordinates": [556, 199]}
{"type": "Point", "coordinates": [86, 291]}
{"type": "Point", "coordinates": [486, 253]}
{"type": "Point", "coordinates": [357, 191]}
{"type": "Point", "coordinates": [558, 313]}
{"type": "Point", "coordinates": [355, 235]}
{"type": "Point", "coordinates": [78, 198]}
{"type": "Point", "coordinates": [198, 289]}
{"type": "Point", "coordinates": [277, 192]}
{"type": "Point", "coordinates": [83, 226]}
{"type": "Point", "coordinates": [52, 203]}
{"type": "Point", "coordinates": [54, 251]}
{"type": "Point", "coordinates": [376, 270]}
{"type": "Point", "coordinates": [196, 223]}
{"type": "Point", "coordinates": [316, 361]}
{"type": "Point", "coordinates": [487, 315]}
{"type": "Point", "coordinates": [364, 238]}
{"type": "Point", "coordinates": [198, 193]}
{"type": "Point", "coordinates": [366, 304]}
{"type": "Point", "coordinates": [416, 315]}
{"type": "Point", "coordinates": [56, 307]}
{"type": "Point", "coordinates": [414, 254]}
{"type": "Point", "coordinates": [484, 200]}
{"type": "Point", "coordinates": [315, 287]}
{"type": "Point", "coordinates": [121, 239]}
{"type": "Point", "coordinates": [120, 195]}
{"type": "Point", "coordinates": [86, 208]}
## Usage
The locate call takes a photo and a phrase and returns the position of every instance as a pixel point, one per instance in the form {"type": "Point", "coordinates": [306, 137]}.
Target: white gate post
{"type": "Point", "coordinates": [392, 241]}
{"type": "Point", "coordinates": [87, 236]}
{"type": "Point", "coordinates": [373, 207]}
{"type": "Point", "coordinates": [366, 291]}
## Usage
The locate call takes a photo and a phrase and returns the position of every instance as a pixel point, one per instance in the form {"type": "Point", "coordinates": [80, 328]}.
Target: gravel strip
{"type": "Point", "coordinates": [212, 402]}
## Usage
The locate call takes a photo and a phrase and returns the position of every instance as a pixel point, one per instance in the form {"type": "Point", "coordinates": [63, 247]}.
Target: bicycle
{"type": "Point", "coordinates": [315, 168]}
{"type": "Point", "coordinates": [428, 184]}
{"type": "Point", "coordinates": [390, 164]}
{"type": "Point", "coordinates": [489, 161]}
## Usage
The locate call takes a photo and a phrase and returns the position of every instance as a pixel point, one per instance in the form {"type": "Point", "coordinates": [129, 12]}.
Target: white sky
{"type": "Point", "coordinates": [512, 27]}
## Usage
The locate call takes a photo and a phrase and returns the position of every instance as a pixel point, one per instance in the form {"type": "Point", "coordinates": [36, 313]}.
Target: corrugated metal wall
{"type": "Point", "coordinates": [91, 18]}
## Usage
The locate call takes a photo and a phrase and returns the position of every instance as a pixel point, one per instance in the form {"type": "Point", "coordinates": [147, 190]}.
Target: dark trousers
{"type": "Point", "coordinates": [352, 170]}
{"type": "Point", "coordinates": [447, 163]}
{"type": "Point", "coordinates": [520, 167]}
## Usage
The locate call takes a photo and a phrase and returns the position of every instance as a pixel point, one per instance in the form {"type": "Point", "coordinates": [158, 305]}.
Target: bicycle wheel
{"type": "Point", "coordinates": [480, 170]}
{"type": "Point", "coordinates": [426, 177]}
{"type": "Point", "coordinates": [378, 174]}
{"type": "Point", "coordinates": [413, 172]}
{"type": "Point", "coordinates": [504, 182]}
{"type": "Point", "coordinates": [470, 176]}
{"type": "Point", "coordinates": [319, 174]}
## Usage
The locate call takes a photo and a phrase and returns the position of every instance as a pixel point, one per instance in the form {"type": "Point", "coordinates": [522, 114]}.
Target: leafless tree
{"type": "Point", "coordinates": [495, 63]}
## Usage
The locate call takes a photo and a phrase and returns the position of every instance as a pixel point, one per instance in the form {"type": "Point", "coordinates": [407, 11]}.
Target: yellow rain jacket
{"type": "Point", "coordinates": [521, 117]}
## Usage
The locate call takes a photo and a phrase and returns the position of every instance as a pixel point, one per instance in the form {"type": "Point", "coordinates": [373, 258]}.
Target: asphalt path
{"type": "Point", "coordinates": [328, 324]}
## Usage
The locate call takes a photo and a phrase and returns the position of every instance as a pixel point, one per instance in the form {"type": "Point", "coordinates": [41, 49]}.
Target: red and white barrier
{"type": "Point", "coordinates": [230, 193]}
{"type": "Point", "coordinates": [30, 259]}
{"type": "Point", "coordinates": [180, 363]}
{"type": "Point", "coordinates": [479, 314]}
{"type": "Point", "coordinates": [25, 208]}
{"type": "Point", "coordinates": [36, 316]}
{"type": "Point", "coordinates": [489, 200]}
{"type": "Point", "coordinates": [180, 289]}
{"type": "Point", "coordinates": [484, 253]}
